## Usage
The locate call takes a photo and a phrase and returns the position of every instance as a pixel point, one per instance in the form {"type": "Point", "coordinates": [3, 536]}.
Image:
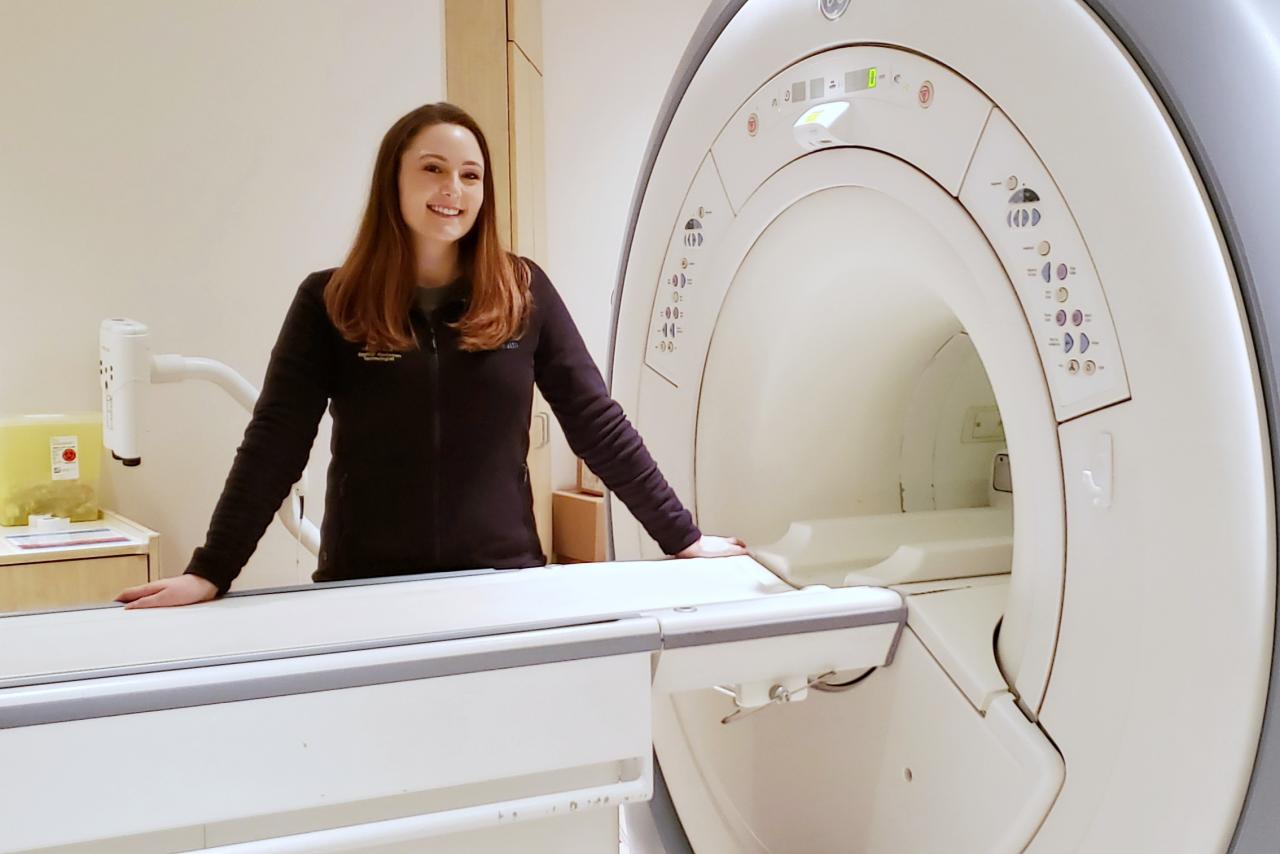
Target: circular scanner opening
{"type": "Point", "coordinates": [845, 413]}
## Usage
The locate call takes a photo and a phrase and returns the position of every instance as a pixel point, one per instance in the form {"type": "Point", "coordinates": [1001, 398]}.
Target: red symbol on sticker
{"type": "Point", "coordinates": [69, 455]}
{"type": "Point", "coordinates": [925, 95]}
{"type": "Point", "coordinates": [753, 124]}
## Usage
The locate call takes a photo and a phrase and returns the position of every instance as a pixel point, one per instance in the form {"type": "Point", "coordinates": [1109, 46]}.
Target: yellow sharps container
{"type": "Point", "coordinates": [50, 464]}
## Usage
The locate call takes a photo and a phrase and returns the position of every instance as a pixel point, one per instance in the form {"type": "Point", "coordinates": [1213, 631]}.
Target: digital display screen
{"type": "Point", "coordinates": [861, 80]}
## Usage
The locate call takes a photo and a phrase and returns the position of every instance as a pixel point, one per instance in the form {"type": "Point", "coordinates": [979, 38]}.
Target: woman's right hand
{"type": "Point", "coordinates": [183, 590]}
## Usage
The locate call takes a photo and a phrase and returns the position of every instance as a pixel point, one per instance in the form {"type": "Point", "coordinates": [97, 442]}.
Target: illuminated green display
{"type": "Point", "coordinates": [861, 79]}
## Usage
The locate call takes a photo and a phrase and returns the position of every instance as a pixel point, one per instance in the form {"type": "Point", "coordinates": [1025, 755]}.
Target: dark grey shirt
{"type": "Point", "coordinates": [429, 299]}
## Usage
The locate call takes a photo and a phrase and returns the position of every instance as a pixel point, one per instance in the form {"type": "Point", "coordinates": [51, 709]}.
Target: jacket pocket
{"type": "Point", "coordinates": [530, 518]}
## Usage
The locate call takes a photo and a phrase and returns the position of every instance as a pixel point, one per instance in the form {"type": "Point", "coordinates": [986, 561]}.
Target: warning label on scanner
{"type": "Point", "coordinates": [64, 453]}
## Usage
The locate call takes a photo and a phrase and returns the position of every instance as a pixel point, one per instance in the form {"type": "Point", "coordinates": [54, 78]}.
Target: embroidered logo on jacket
{"type": "Point", "coordinates": [511, 345]}
{"type": "Point", "coordinates": [378, 356]}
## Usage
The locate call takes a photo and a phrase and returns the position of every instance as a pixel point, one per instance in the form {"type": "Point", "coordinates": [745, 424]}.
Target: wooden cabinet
{"type": "Point", "coordinates": [73, 576]}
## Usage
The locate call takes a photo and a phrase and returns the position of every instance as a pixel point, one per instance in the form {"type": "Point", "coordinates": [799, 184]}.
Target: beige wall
{"type": "Point", "coordinates": [186, 164]}
{"type": "Point", "coordinates": [607, 68]}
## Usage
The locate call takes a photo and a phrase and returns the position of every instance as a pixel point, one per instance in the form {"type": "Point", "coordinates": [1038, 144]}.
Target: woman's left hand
{"type": "Point", "coordinates": [714, 547]}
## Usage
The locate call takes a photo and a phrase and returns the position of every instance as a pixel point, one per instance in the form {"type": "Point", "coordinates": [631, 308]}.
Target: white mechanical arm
{"type": "Point", "coordinates": [126, 371]}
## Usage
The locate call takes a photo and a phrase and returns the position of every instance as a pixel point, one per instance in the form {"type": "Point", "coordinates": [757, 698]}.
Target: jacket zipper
{"type": "Point", "coordinates": [435, 441]}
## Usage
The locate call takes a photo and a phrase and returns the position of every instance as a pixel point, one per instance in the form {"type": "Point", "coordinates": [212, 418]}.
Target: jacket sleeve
{"type": "Point", "coordinates": [596, 427]}
{"type": "Point", "coordinates": [277, 441]}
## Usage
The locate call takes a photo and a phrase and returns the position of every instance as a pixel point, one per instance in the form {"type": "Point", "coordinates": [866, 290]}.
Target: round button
{"type": "Point", "coordinates": [1061, 317]}
{"type": "Point", "coordinates": [833, 9]}
{"type": "Point", "coordinates": [1043, 248]}
{"type": "Point", "coordinates": [1068, 343]}
{"type": "Point", "coordinates": [1011, 183]}
{"type": "Point", "coordinates": [1084, 342]}
{"type": "Point", "coordinates": [1062, 272]}
{"type": "Point", "coordinates": [925, 94]}
{"type": "Point", "coordinates": [1063, 293]}
{"type": "Point", "coordinates": [753, 124]}
{"type": "Point", "coordinates": [1073, 367]}
{"type": "Point", "coordinates": [1090, 367]}
{"type": "Point", "coordinates": [1077, 317]}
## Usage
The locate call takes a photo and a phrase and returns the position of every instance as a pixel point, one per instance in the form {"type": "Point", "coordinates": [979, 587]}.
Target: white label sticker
{"type": "Point", "coordinates": [64, 452]}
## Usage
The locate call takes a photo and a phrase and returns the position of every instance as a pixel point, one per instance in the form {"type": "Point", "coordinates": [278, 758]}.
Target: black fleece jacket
{"type": "Point", "coordinates": [428, 468]}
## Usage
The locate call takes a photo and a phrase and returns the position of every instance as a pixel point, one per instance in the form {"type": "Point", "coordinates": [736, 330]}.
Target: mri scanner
{"type": "Point", "coordinates": [959, 314]}
{"type": "Point", "coordinates": [894, 221]}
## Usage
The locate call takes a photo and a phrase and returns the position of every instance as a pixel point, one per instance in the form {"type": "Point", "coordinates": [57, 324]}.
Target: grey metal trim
{"type": "Point", "coordinates": [1216, 68]}
{"type": "Point", "coordinates": [95, 700]}
{"type": "Point", "coordinates": [96, 696]}
{"type": "Point", "coordinates": [305, 652]}
{"type": "Point", "coordinates": [367, 582]}
{"type": "Point", "coordinates": [897, 638]}
{"type": "Point", "coordinates": [291, 588]}
{"type": "Point", "coordinates": [682, 639]}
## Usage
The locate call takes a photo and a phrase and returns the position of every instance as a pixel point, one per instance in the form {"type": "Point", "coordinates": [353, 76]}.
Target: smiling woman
{"type": "Point", "coordinates": [426, 345]}
{"type": "Point", "coordinates": [426, 224]}
{"type": "Point", "coordinates": [449, 182]}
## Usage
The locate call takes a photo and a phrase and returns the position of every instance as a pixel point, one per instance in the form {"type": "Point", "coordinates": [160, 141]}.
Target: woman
{"type": "Point", "coordinates": [426, 344]}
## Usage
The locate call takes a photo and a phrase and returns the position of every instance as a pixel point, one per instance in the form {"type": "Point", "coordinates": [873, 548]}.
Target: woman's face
{"type": "Point", "coordinates": [441, 182]}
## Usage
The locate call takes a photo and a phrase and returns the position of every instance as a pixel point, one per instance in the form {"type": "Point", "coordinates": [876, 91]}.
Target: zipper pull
{"type": "Point", "coordinates": [431, 338]}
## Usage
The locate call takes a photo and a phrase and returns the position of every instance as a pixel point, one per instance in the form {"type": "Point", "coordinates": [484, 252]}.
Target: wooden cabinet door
{"type": "Point", "coordinates": [66, 583]}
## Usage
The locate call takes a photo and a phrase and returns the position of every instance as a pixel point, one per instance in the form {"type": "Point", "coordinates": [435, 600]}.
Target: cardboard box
{"type": "Point", "coordinates": [587, 480]}
{"type": "Point", "coordinates": [577, 526]}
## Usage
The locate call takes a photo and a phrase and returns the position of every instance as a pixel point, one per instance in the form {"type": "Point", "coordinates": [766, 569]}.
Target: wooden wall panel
{"type": "Point", "coordinates": [493, 61]}
{"type": "Point", "coordinates": [476, 80]}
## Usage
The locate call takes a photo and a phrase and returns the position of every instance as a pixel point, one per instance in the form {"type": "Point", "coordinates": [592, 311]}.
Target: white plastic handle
{"type": "Point", "coordinates": [358, 837]}
{"type": "Point", "coordinates": [172, 368]}
{"type": "Point", "coordinates": [544, 429]}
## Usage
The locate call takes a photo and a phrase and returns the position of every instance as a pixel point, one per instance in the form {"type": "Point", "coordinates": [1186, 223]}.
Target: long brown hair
{"type": "Point", "coordinates": [369, 296]}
